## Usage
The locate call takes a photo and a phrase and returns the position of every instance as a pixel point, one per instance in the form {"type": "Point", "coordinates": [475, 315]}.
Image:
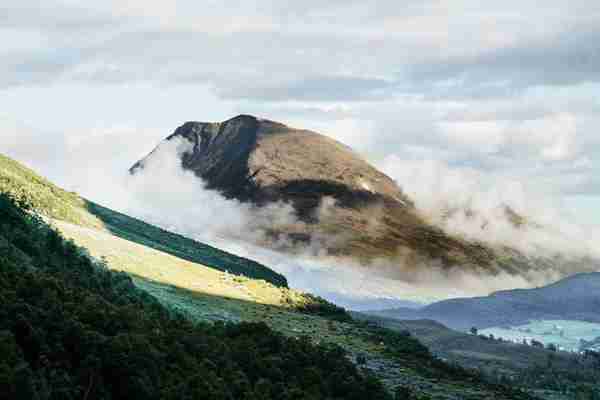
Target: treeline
{"type": "Point", "coordinates": [317, 305]}
{"type": "Point", "coordinates": [71, 329]}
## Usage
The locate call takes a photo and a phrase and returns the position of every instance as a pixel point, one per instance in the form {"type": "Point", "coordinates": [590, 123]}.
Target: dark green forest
{"type": "Point", "coordinates": [72, 329]}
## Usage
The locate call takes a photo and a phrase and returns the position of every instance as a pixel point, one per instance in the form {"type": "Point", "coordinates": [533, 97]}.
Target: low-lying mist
{"type": "Point", "coordinates": [492, 209]}
{"type": "Point", "coordinates": [165, 194]}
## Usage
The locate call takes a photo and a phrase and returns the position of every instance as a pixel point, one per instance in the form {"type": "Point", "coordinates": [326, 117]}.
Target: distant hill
{"type": "Point", "coordinates": [574, 298]}
{"type": "Point", "coordinates": [336, 195]}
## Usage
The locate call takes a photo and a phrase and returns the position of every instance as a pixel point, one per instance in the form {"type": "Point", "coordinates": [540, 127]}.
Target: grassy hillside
{"type": "Point", "coordinates": [159, 266]}
{"type": "Point", "coordinates": [71, 329]}
{"type": "Point", "coordinates": [35, 192]}
{"type": "Point", "coordinates": [31, 190]}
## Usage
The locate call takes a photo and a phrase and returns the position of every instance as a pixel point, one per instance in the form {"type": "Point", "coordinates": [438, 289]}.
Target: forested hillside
{"type": "Point", "coordinates": [71, 329]}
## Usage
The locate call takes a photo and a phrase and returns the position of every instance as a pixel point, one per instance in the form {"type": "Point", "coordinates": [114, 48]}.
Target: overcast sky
{"type": "Point", "coordinates": [507, 89]}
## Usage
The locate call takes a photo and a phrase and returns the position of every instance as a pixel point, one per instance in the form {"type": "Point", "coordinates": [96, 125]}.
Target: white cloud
{"type": "Point", "coordinates": [480, 136]}
{"type": "Point", "coordinates": [476, 202]}
{"type": "Point", "coordinates": [231, 44]}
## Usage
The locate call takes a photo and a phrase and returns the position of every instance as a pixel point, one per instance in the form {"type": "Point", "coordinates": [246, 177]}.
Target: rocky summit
{"type": "Point", "coordinates": [336, 195]}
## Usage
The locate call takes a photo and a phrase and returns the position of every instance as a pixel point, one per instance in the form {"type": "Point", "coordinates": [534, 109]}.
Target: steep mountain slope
{"type": "Point", "coordinates": [35, 192]}
{"type": "Point", "coordinates": [335, 193]}
{"type": "Point", "coordinates": [573, 298]}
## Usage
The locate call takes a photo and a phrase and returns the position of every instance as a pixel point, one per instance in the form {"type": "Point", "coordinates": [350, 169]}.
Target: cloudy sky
{"type": "Point", "coordinates": [504, 90]}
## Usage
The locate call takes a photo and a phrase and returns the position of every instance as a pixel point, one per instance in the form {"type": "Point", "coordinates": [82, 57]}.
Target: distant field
{"type": "Point", "coordinates": [565, 334]}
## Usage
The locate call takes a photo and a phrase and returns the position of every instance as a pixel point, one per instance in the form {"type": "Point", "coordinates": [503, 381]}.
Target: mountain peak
{"type": "Point", "coordinates": [334, 192]}
{"type": "Point", "coordinates": [243, 117]}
